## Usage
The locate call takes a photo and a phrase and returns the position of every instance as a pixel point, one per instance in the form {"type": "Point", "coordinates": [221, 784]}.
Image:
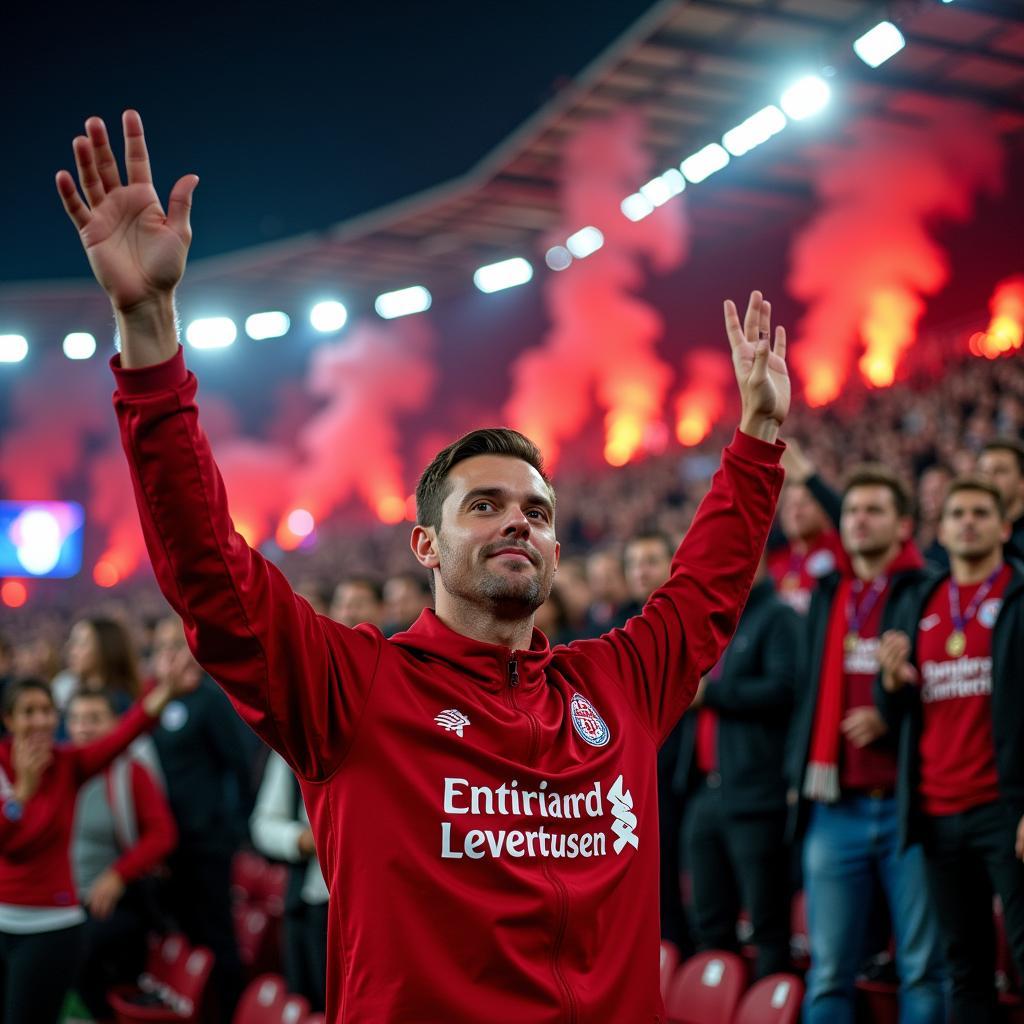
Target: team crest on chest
{"type": "Point", "coordinates": [587, 722]}
{"type": "Point", "coordinates": [989, 612]}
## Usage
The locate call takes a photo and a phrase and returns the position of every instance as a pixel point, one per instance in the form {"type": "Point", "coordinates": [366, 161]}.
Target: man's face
{"type": "Point", "coordinates": [605, 577]}
{"type": "Point", "coordinates": [1002, 468]}
{"type": "Point", "coordinates": [497, 544]}
{"type": "Point", "coordinates": [800, 516]}
{"type": "Point", "coordinates": [931, 493]}
{"type": "Point", "coordinates": [355, 602]}
{"type": "Point", "coordinates": [404, 599]}
{"type": "Point", "coordinates": [870, 524]}
{"type": "Point", "coordinates": [971, 526]}
{"type": "Point", "coordinates": [647, 564]}
{"type": "Point", "coordinates": [89, 719]}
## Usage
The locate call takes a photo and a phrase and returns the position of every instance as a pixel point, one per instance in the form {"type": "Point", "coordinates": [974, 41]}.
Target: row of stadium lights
{"type": "Point", "coordinates": [803, 99]}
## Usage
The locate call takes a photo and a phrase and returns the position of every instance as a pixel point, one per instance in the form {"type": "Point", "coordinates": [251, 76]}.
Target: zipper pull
{"type": "Point", "coordinates": [513, 672]}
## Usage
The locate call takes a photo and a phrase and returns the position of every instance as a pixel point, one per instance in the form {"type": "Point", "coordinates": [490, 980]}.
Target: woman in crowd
{"type": "Point", "coordinates": [40, 917]}
{"type": "Point", "coordinates": [100, 656]}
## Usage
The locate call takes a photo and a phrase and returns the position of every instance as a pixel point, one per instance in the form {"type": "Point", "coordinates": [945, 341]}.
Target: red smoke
{"type": "Point", "coordinates": [351, 446]}
{"type": "Point", "coordinates": [708, 374]}
{"type": "Point", "coordinates": [1005, 331]}
{"type": "Point", "coordinates": [866, 261]}
{"type": "Point", "coordinates": [601, 341]}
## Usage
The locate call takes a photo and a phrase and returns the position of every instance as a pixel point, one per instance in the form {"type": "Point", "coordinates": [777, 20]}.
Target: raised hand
{"type": "Point", "coordinates": [30, 759]}
{"type": "Point", "coordinates": [760, 367]}
{"type": "Point", "coordinates": [135, 249]}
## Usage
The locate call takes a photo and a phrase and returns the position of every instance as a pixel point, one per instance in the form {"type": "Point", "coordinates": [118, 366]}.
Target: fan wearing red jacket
{"type": "Point", "coordinates": [484, 806]}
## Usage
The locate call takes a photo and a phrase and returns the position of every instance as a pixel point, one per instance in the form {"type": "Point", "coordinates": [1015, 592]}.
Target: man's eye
{"type": "Point", "coordinates": [482, 504]}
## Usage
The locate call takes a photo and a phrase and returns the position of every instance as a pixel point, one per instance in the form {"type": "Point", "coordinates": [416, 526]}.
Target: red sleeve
{"type": "Point", "coordinates": [158, 834]}
{"type": "Point", "coordinates": [94, 757]}
{"type": "Point", "coordinates": [659, 656]}
{"type": "Point", "coordinates": [298, 679]}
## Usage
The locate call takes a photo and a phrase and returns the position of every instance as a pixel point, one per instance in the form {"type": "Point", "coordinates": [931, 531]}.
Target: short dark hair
{"type": "Point", "coordinates": [106, 696]}
{"type": "Point", "coordinates": [14, 690]}
{"type": "Point", "coordinates": [659, 536]}
{"type": "Point", "coordinates": [976, 483]}
{"type": "Point", "coordinates": [433, 486]}
{"type": "Point", "coordinates": [119, 667]}
{"type": "Point", "coordinates": [417, 579]}
{"type": "Point", "coordinates": [1007, 444]}
{"type": "Point", "coordinates": [874, 474]}
{"type": "Point", "coordinates": [369, 583]}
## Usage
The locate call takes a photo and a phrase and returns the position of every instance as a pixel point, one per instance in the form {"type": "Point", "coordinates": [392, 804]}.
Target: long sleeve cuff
{"type": "Point", "coordinates": [756, 450]}
{"type": "Point", "coordinates": [144, 380]}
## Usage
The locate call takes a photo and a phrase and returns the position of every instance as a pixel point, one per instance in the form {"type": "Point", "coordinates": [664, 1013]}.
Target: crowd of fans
{"type": "Point", "coordinates": [808, 760]}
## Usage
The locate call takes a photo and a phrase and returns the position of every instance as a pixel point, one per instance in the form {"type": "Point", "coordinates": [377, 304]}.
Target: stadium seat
{"type": "Point", "coordinates": [707, 989]}
{"type": "Point", "coordinates": [669, 963]}
{"type": "Point", "coordinates": [172, 991]}
{"type": "Point", "coordinates": [266, 1001]}
{"type": "Point", "coordinates": [878, 1001]}
{"type": "Point", "coordinates": [315, 1018]}
{"type": "Point", "coordinates": [247, 871]}
{"type": "Point", "coordinates": [775, 999]}
{"type": "Point", "coordinates": [258, 937]}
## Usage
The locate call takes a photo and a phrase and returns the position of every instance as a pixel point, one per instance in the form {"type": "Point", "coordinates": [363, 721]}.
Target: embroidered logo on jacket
{"type": "Point", "coordinates": [625, 819]}
{"type": "Point", "coordinates": [587, 722]}
{"type": "Point", "coordinates": [452, 720]}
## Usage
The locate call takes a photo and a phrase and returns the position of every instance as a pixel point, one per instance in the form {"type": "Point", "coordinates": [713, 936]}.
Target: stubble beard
{"type": "Point", "coordinates": [507, 596]}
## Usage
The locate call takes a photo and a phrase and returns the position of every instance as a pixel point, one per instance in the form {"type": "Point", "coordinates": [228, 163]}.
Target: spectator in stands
{"type": "Point", "coordinates": [358, 599]}
{"type": "Point", "coordinates": [406, 594]}
{"type": "Point", "coordinates": [100, 656]}
{"type": "Point", "coordinates": [571, 584]}
{"type": "Point", "coordinates": [123, 831]}
{"type": "Point", "coordinates": [1002, 461]}
{"type": "Point", "coordinates": [842, 769]}
{"type": "Point", "coordinates": [280, 830]}
{"type": "Point", "coordinates": [952, 669]}
{"type": "Point", "coordinates": [607, 591]}
{"type": "Point", "coordinates": [315, 592]}
{"type": "Point", "coordinates": [206, 755]}
{"type": "Point", "coordinates": [40, 917]}
{"type": "Point", "coordinates": [736, 814]}
{"type": "Point", "coordinates": [932, 488]}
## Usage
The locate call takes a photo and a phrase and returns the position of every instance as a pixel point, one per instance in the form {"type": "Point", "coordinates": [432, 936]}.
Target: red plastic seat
{"type": "Point", "coordinates": [266, 1001]}
{"type": "Point", "coordinates": [775, 999]}
{"type": "Point", "coordinates": [879, 1001]}
{"type": "Point", "coordinates": [707, 989]}
{"type": "Point", "coordinates": [247, 871]}
{"type": "Point", "coordinates": [258, 937]}
{"type": "Point", "coordinates": [172, 991]}
{"type": "Point", "coordinates": [668, 965]}
{"type": "Point", "coordinates": [315, 1018]}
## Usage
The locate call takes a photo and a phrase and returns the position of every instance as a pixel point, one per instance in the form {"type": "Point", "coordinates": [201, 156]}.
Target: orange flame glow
{"type": "Point", "coordinates": [700, 403]}
{"type": "Point", "coordinates": [888, 328]}
{"type": "Point", "coordinates": [1005, 331]}
{"type": "Point", "coordinates": [391, 508]}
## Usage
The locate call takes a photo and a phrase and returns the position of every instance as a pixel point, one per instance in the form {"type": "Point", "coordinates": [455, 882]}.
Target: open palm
{"type": "Point", "coordinates": [760, 367]}
{"type": "Point", "coordinates": [135, 249]}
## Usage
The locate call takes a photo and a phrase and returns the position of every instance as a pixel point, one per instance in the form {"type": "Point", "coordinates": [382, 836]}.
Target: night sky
{"type": "Point", "coordinates": [296, 116]}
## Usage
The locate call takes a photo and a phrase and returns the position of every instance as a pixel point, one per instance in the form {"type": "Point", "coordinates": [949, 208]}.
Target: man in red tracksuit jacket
{"type": "Point", "coordinates": [484, 807]}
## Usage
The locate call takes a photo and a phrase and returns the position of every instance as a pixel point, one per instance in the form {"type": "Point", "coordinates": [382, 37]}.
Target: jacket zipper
{"type": "Point", "coordinates": [513, 683]}
{"type": "Point", "coordinates": [563, 921]}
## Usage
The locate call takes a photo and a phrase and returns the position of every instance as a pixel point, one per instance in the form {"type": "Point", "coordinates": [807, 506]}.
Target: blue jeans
{"type": "Point", "coordinates": [848, 845]}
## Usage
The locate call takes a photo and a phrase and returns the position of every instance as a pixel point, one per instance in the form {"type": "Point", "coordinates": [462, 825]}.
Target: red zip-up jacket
{"type": "Point", "coordinates": [486, 819]}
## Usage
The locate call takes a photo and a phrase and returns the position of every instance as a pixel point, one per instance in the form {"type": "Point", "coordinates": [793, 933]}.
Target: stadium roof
{"type": "Point", "coordinates": [695, 68]}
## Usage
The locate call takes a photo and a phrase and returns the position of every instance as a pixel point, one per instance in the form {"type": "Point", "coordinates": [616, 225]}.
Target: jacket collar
{"type": "Point", "coordinates": [488, 665]}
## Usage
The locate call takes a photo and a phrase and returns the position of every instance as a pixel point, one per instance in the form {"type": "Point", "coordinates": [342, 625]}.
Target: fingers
{"type": "Point", "coordinates": [764, 322]}
{"type": "Point", "coordinates": [752, 321]}
{"type": "Point", "coordinates": [73, 205]}
{"type": "Point", "coordinates": [179, 206]}
{"type": "Point", "coordinates": [105, 162]}
{"type": "Point", "coordinates": [85, 162]}
{"type": "Point", "coordinates": [780, 342]}
{"type": "Point", "coordinates": [733, 327]}
{"type": "Point", "coordinates": [136, 156]}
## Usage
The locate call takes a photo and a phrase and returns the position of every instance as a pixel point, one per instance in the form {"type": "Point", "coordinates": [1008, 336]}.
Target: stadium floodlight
{"type": "Point", "coordinates": [261, 326]}
{"type": "Point", "coordinates": [635, 207]}
{"type": "Point", "coordinates": [211, 332]}
{"type": "Point", "coordinates": [301, 522]}
{"type": "Point", "coordinates": [79, 345]}
{"type": "Point", "coordinates": [403, 302]}
{"type": "Point", "coordinates": [13, 348]}
{"type": "Point", "coordinates": [704, 163]}
{"type": "Point", "coordinates": [806, 97]}
{"type": "Point", "coordinates": [757, 128]}
{"type": "Point", "coordinates": [558, 257]}
{"type": "Point", "coordinates": [661, 189]}
{"type": "Point", "coordinates": [584, 242]}
{"type": "Point", "coordinates": [329, 316]}
{"type": "Point", "coordinates": [506, 274]}
{"type": "Point", "coordinates": [877, 45]}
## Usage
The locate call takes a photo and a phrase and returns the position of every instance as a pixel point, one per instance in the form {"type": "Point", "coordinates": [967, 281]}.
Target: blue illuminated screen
{"type": "Point", "coordinates": [41, 538]}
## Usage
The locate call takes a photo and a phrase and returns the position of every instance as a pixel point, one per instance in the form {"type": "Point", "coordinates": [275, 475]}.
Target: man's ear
{"type": "Point", "coordinates": [424, 546]}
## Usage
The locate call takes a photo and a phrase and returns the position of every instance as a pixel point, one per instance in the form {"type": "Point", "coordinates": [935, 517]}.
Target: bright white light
{"type": "Point", "coordinates": [584, 242]}
{"type": "Point", "coordinates": [806, 97]}
{"type": "Point", "coordinates": [403, 302]}
{"type": "Point", "coordinates": [656, 191]}
{"type": "Point", "coordinates": [38, 540]}
{"type": "Point", "coordinates": [704, 163]}
{"type": "Point", "coordinates": [301, 522]}
{"type": "Point", "coordinates": [558, 257]}
{"type": "Point", "coordinates": [13, 348]}
{"type": "Point", "coordinates": [212, 332]}
{"type": "Point", "coordinates": [506, 274]}
{"type": "Point", "coordinates": [757, 128]}
{"type": "Point", "coordinates": [79, 345]}
{"type": "Point", "coordinates": [636, 207]}
{"type": "Point", "coordinates": [879, 44]}
{"type": "Point", "coordinates": [328, 316]}
{"type": "Point", "coordinates": [261, 326]}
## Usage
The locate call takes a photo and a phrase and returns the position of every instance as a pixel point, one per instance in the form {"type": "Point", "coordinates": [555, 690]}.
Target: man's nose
{"type": "Point", "coordinates": [516, 524]}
